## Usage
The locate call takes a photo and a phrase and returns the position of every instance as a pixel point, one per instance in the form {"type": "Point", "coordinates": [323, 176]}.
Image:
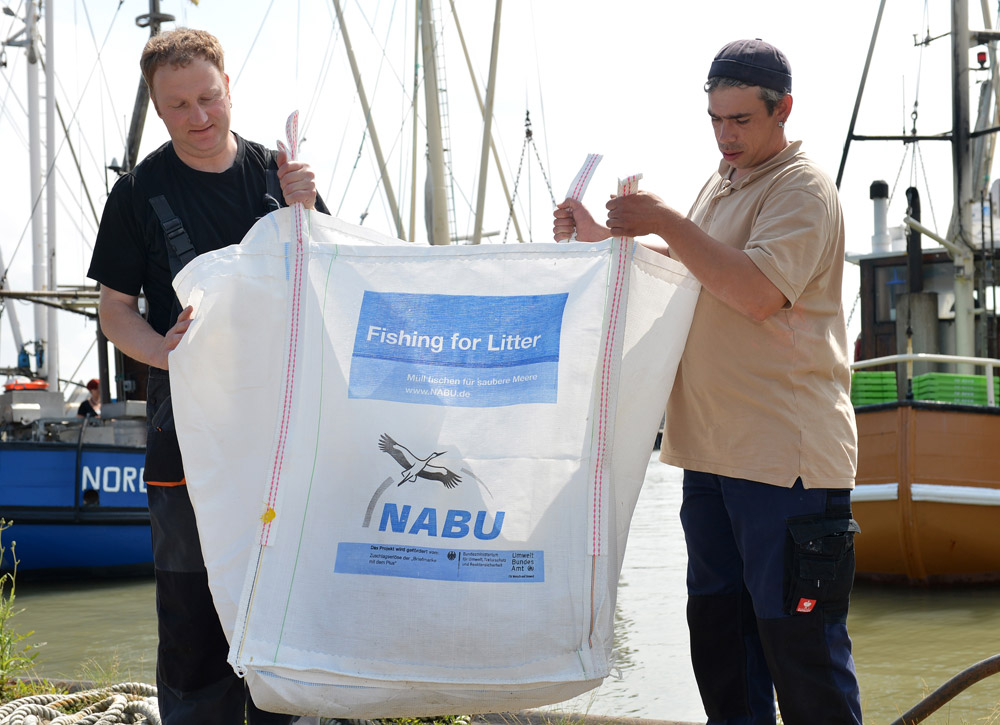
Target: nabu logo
{"type": "Point", "coordinates": [455, 526]}
{"type": "Point", "coordinates": [415, 467]}
{"type": "Point", "coordinates": [455, 523]}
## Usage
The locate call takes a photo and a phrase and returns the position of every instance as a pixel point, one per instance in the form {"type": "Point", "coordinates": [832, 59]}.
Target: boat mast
{"type": "Point", "coordinates": [373, 134]}
{"type": "Point", "coordinates": [9, 309]}
{"type": "Point", "coordinates": [152, 20]}
{"type": "Point", "coordinates": [484, 158]}
{"type": "Point", "coordinates": [416, 120]}
{"type": "Point", "coordinates": [50, 192]}
{"type": "Point", "coordinates": [38, 272]}
{"type": "Point", "coordinates": [861, 90]}
{"type": "Point", "coordinates": [479, 100]}
{"type": "Point", "coordinates": [440, 234]}
{"type": "Point", "coordinates": [962, 172]}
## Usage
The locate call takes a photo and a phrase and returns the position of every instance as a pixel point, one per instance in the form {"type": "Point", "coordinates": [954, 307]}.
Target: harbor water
{"type": "Point", "coordinates": [907, 642]}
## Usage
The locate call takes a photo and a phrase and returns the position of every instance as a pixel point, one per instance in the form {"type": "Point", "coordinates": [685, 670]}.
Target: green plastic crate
{"type": "Point", "coordinates": [872, 399]}
{"type": "Point", "coordinates": [872, 387]}
{"type": "Point", "coordinates": [953, 388]}
{"type": "Point", "coordinates": [950, 381]}
{"type": "Point", "coordinates": [874, 375]}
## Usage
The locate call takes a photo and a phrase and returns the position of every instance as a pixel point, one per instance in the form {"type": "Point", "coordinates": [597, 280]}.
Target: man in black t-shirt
{"type": "Point", "coordinates": [215, 184]}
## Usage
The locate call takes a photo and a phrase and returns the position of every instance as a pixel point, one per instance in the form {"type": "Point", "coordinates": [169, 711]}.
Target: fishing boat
{"type": "Point", "coordinates": [72, 496]}
{"type": "Point", "coordinates": [72, 488]}
{"type": "Point", "coordinates": [925, 385]}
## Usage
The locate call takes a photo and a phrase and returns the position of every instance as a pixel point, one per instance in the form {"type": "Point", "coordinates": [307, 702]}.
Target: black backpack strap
{"type": "Point", "coordinates": [180, 251]}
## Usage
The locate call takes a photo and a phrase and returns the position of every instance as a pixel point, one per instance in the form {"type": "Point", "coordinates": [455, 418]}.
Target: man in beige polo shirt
{"type": "Point", "coordinates": [760, 416]}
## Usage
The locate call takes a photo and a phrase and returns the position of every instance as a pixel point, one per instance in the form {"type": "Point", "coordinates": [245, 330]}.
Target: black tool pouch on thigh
{"type": "Point", "coordinates": [163, 455]}
{"type": "Point", "coordinates": [819, 564]}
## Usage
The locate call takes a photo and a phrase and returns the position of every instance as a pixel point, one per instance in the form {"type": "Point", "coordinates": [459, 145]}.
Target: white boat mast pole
{"type": "Point", "coordinates": [964, 267]}
{"type": "Point", "coordinates": [416, 121]}
{"type": "Point", "coordinates": [8, 308]}
{"type": "Point", "coordinates": [479, 100]}
{"type": "Point", "coordinates": [38, 276]}
{"type": "Point", "coordinates": [440, 233]}
{"type": "Point", "coordinates": [386, 183]}
{"type": "Point", "coordinates": [991, 50]}
{"type": "Point", "coordinates": [484, 157]}
{"type": "Point", "coordinates": [52, 349]}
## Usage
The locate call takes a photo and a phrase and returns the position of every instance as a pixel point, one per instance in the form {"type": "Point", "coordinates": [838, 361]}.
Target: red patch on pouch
{"type": "Point", "coordinates": [806, 605]}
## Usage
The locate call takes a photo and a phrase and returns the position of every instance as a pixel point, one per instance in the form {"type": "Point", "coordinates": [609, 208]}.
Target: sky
{"type": "Point", "coordinates": [624, 80]}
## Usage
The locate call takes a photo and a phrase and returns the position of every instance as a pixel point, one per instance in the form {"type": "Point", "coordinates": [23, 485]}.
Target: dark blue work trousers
{"type": "Point", "coordinates": [770, 571]}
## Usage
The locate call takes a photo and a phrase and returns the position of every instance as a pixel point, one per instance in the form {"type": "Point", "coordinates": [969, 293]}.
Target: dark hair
{"type": "Point", "coordinates": [769, 96]}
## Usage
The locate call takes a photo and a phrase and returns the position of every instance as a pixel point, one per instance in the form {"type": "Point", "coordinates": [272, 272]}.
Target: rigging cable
{"type": "Point", "coordinates": [378, 77]}
{"type": "Point", "coordinates": [538, 78]}
{"type": "Point", "coordinates": [357, 160]}
{"type": "Point", "coordinates": [343, 134]}
{"type": "Point", "coordinates": [10, 88]}
{"type": "Point", "coordinates": [517, 180]}
{"type": "Point", "coordinates": [528, 141]}
{"type": "Point", "coordinates": [917, 150]}
{"type": "Point", "coordinates": [256, 37]}
{"type": "Point", "coordinates": [913, 150]}
{"type": "Point", "coordinates": [325, 64]}
{"type": "Point", "coordinates": [364, 134]}
{"type": "Point", "coordinates": [97, 65]}
{"type": "Point", "coordinates": [4, 111]}
{"type": "Point", "coordinates": [923, 171]}
{"type": "Point", "coordinates": [382, 46]}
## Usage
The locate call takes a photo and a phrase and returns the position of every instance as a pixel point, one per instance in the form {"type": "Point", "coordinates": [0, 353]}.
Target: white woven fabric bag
{"type": "Point", "coordinates": [414, 467]}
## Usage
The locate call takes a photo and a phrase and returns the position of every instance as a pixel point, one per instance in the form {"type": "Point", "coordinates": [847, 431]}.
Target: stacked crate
{"type": "Point", "coordinates": [950, 388]}
{"type": "Point", "coordinates": [871, 387]}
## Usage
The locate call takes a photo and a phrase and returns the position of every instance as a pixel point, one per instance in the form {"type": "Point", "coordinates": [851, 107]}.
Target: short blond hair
{"type": "Point", "coordinates": [178, 48]}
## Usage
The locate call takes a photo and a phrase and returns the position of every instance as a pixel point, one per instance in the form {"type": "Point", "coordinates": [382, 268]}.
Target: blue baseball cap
{"type": "Point", "coordinates": [754, 62]}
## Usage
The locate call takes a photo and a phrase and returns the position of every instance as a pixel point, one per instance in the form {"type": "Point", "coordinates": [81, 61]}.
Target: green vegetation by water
{"type": "Point", "coordinates": [17, 650]}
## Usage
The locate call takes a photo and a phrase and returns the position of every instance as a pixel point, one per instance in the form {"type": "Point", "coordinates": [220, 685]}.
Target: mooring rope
{"type": "Point", "coordinates": [126, 702]}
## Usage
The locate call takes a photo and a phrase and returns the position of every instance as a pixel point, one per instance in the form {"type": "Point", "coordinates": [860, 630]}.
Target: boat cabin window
{"type": "Point", "coordinates": [891, 281]}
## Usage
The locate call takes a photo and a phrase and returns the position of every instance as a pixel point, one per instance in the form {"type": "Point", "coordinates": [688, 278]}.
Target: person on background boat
{"type": "Point", "coordinates": [760, 416]}
{"type": "Point", "coordinates": [91, 407]}
{"type": "Point", "coordinates": [206, 187]}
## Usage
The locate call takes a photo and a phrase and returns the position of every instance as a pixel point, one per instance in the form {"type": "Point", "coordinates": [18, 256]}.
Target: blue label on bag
{"type": "Point", "coordinates": [464, 350]}
{"type": "Point", "coordinates": [421, 562]}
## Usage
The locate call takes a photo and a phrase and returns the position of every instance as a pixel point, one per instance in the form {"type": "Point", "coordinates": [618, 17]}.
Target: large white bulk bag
{"type": "Point", "coordinates": [413, 467]}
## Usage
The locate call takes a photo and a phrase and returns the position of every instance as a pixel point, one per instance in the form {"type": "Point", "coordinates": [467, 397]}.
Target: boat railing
{"type": "Point", "coordinates": [989, 364]}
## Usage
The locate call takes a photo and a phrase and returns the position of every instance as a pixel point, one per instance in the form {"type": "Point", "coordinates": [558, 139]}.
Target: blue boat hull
{"type": "Point", "coordinates": [75, 509]}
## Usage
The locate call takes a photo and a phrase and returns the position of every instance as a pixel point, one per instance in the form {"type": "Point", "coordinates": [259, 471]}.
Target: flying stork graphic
{"type": "Point", "coordinates": [415, 467]}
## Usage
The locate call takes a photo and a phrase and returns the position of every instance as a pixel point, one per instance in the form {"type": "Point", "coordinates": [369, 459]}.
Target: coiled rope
{"type": "Point", "coordinates": [126, 702]}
